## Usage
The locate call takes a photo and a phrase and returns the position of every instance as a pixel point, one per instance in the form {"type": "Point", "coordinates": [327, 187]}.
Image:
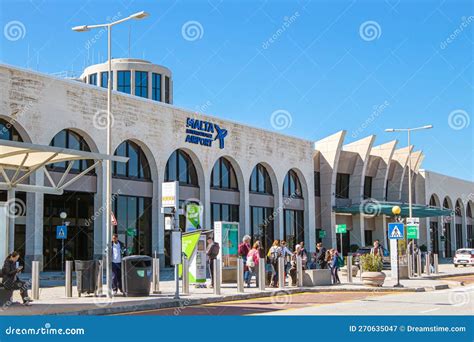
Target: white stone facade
{"type": "Point", "coordinates": [39, 106]}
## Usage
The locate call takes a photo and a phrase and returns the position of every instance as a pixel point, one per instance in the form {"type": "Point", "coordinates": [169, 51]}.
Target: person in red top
{"type": "Point", "coordinates": [244, 249]}
{"type": "Point", "coordinates": [253, 258]}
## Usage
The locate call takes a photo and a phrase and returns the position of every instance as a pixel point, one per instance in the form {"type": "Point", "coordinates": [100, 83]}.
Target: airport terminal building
{"type": "Point", "coordinates": [275, 186]}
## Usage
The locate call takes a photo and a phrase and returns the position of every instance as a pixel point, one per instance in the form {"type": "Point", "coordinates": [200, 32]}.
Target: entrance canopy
{"type": "Point", "coordinates": [22, 159]}
{"type": "Point", "coordinates": [385, 208]}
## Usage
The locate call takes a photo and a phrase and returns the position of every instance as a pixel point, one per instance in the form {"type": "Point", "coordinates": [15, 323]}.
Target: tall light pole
{"type": "Point", "coordinates": [409, 130]}
{"type": "Point", "coordinates": [108, 175]}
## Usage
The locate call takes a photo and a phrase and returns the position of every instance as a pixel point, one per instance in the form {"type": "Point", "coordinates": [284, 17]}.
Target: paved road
{"type": "Point", "coordinates": [457, 301]}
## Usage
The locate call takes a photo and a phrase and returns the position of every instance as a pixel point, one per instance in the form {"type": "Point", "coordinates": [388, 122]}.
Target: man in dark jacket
{"type": "Point", "coordinates": [118, 252]}
{"type": "Point", "coordinates": [320, 256]}
{"type": "Point", "coordinates": [213, 249]}
{"type": "Point", "coordinates": [10, 277]}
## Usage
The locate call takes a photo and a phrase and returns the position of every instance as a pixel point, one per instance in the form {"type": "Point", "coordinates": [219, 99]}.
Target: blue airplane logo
{"type": "Point", "coordinates": [221, 134]}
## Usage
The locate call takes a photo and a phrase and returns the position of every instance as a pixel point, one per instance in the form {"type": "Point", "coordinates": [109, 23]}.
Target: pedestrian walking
{"type": "Point", "coordinates": [335, 265]}
{"type": "Point", "coordinates": [377, 249]}
{"type": "Point", "coordinates": [10, 278]}
{"type": "Point", "coordinates": [286, 254]}
{"type": "Point", "coordinates": [243, 249]}
{"type": "Point", "coordinates": [294, 270]}
{"type": "Point", "coordinates": [253, 259]}
{"type": "Point", "coordinates": [118, 252]}
{"type": "Point", "coordinates": [213, 249]}
{"type": "Point", "coordinates": [319, 257]}
{"type": "Point", "coordinates": [273, 254]}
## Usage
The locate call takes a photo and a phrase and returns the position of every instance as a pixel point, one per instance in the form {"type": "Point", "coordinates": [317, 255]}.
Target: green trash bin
{"type": "Point", "coordinates": [136, 275]}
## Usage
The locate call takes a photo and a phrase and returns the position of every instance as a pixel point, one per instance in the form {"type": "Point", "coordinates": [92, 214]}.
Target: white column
{"type": "Point", "coordinates": [34, 223]}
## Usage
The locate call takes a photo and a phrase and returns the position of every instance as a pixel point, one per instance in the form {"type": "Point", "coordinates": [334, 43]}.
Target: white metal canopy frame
{"type": "Point", "coordinates": [18, 160]}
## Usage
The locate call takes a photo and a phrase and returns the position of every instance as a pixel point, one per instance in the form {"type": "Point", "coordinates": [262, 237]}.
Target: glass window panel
{"type": "Point", "coordinates": [183, 168]}
{"type": "Point", "coordinates": [167, 89]}
{"type": "Point", "coordinates": [156, 87]}
{"type": "Point", "coordinates": [170, 174]}
{"type": "Point", "coordinates": [225, 212]}
{"type": "Point", "coordinates": [104, 76]}
{"type": "Point", "coordinates": [123, 81]}
{"type": "Point", "coordinates": [253, 180]}
{"type": "Point", "coordinates": [141, 83]}
{"type": "Point", "coordinates": [225, 182]}
{"type": "Point", "coordinates": [132, 162]}
{"type": "Point", "coordinates": [216, 175]}
{"type": "Point", "coordinates": [121, 168]}
{"type": "Point", "coordinates": [93, 79]}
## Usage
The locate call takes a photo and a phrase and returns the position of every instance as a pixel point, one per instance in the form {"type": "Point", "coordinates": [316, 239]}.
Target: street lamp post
{"type": "Point", "coordinates": [108, 175]}
{"type": "Point", "coordinates": [63, 216]}
{"type": "Point", "coordinates": [409, 130]}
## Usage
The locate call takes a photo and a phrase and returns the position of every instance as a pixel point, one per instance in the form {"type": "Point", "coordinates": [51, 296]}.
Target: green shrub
{"type": "Point", "coordinates": [371, 263]}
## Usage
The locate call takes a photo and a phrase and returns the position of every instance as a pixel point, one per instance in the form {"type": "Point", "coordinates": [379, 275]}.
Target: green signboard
{"type": "Point", "coordinates": [188, 245]}
{"type": "Point", "coordinates": [322, 234]}
{"type": "Point", "coordinates": [341, 228]}
{"type": "Point", "coordinates": [413, 232]}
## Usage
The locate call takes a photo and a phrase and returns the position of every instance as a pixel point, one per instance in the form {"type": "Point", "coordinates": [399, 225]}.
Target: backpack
{"type": "Point", "coordinates": [273, 255]}
{"type": "Point", "coordinates": [213, 251]}
{"type": "Point", "coordinates": [340, 262]}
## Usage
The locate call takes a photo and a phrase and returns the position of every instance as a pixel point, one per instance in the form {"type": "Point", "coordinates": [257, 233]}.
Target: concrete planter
{"type": "Point", "coordinates": [373, 278]}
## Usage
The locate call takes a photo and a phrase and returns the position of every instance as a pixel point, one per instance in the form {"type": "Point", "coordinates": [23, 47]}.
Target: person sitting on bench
{"type": "Point", "coordinates": [10, 277]}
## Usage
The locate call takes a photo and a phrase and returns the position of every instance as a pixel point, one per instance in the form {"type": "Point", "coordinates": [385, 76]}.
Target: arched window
{"type": "Point", "coordinates": [469, 210]}
{"type": "Point", "coordinates": [433, 201]}
{"type": "Point", "coordinates": [8, 132]}
{"type": "Point", "coordinates": [446, 203]}
{"type": "Point", "coordinates": [260, 180]}
{"type": "Point", "coordinates": [223, 175]}
{"type": "Point", "coordinates": [137, 166]}
{"type": "Point", "coordinates": [292, 185]}
{"type": "Point", "coordinates": [181, 168]}
{"type": "Point", "coordinates": [70, 139]}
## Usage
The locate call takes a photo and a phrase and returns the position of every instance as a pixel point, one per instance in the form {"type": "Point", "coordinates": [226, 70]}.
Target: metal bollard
{"type": "Point", "coordinates": [410, 266]}
{"type": "Point", "coordinates": [68, 280]}
{"type": "Point", "coordinates": [436, 263]}
{"type": "Point", "coordinates": [35, 279]}
{"type": "Point", "coordinates": [185, 277]}
{"type": "Point", "coordinates": [100, 277]}
{"type": "Point", "coordinates": [217, 277]}
{"type": "Point", "coordinates": [156, 276]}
{"type": "Point", "coordinates": [281, 272]}
{"type": "Point", "coordinates": [240, 275]}
{"type": "Point", "coordinates": [418, 264]}
{"type": "Point", "coordinates": [299, 272]}
{"type": "Point", "coordinates": [428, 264]}
{"type": "Point", "coordinates": [261, 274]}
{"type": "Point", "coordinates": [349, 268]}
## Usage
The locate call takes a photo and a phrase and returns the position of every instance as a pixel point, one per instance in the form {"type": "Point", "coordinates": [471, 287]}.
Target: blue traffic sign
{"type": "Point", "coordinates": [396, 231]}
{"type": "Point", "coordinates": [61, 232]}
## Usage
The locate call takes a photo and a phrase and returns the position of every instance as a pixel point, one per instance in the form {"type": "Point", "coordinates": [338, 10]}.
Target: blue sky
{"type": "Point", "coordinates": [320, 66]}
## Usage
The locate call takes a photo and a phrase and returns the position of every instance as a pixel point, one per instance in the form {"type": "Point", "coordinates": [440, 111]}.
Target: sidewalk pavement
{"type": "Point", "coordinates": [54, 302]}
